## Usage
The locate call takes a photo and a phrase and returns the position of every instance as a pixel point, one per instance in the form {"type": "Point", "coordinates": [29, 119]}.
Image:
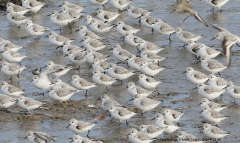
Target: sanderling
{"type": "Point", "coordinates": [124, 29]}
{"type": "Point", "coordinates": [12, 56]}
{"type": "Point", "coordinates": [81, 84]}
{"type": "Point", "coordinates": [6, 101]}
{"type": "Point", "coordinates": [193, 47]}
{"type": "Point", "coordinates": [147, 21]}
{"type": "Point", "coordinates": [35, 29]}
{"type": "Point", "coordinates": [161, 122]}
{"type": "Point", "coordinates": [150, 69]}
{"type": "Point", "coordinates": [185, 36]}
{"type": "Point", "coordinates": [163, 28]}
{"type": "Point", "coordinates": [172, 115]}
{"type": "Point", "coordinates": [216, 3]}
{"type": "Point", "coordinates": [187, 138]}
{"type": "Point", "coordinates": [10, 90]}
{"type": "Point", "coordinates": [33, 5]}
{"type": "Point", "coordinates": [16, 18]}
{"type": "Point", "coordinates": [61, 85]}
{"type": "Point", "coordinates": [107, 102]}
{"type": "Point", "coordinates": [214, 132]}
{"type": "Point", "coordinates": [205, 51]}
{"type": "Point", "coordinates": [60, 94]}
{"type": "Point", "coordinates": [102, 66]}
{"type": "Point", "coordinates": [4, 41]}
{"type": "Point", "coordinates": [99, 27]}
{"type": "Point", "coordinates": [79, 139]}
{"type": "Point", "coordinates": [211, 115]}
{"type": "Point", "coordinates": [212, 65]}
{"type": "Point", "coordinates": [42, 80]}
{"type": "Point", "coordinates": [73, 6]}
{"type": "Point", "coordinates": [107, 16]}
{"type": "Point", "coordinates": [83, 31]}
{"type": "Point", "coordinates": [28, 103]}
{"type": "Point", "coordinates": [120, 113]}
{"type": "Point", "coordinates": [228, 41]}
{"type": "Point", "coordinates": [62, 69]}
{"type": "Point", "coordinates": [71, 12]}
{"type": "Point", "coordinates": [137, 137]}
{"type": "Point", "coordinates": [119, 72]}
{"type": "Point", "coordinates": [56, 39]}
{"type": "Point", "coordinates": [39, 137]}
{"type": "Point", "coordinates": [119, 53]}
{"type": "Point", "coordinates": [17, 8]}
{"type": "Point", "coordinates": [11, 69]}
{"type": "Point", "coordinates": [147, 82]}
{"type": "Point", "coordinates": [133, 90]}
{"type": "Point", "coordinates": [98, 2]}
{"type": "Point", "coordinates": [120, 4]}
{"type": "Point", "coordinates": [151, 57]}
{"type": "Point", "coordinates": [102, 79]}
{"type": "Point", "coordinates": [151, 130]}
{"type": "Point", "coordinates": [10, 45]}
{"type": "Point", "coordinates": [68, 47]}
{"type": "Point", "coordinates": [195, 76]}
{"type": "Point", "coordinates": [89, 18]}
{"type": "Point", "coordinates": [79, 127]}
{"type": "Point", "coordinates": [134, 62]}
{"type": "Point", "coordinates": [93, 44]}
{"type": "Point", "coordinates": [215, 106]}
{"type": "Point", "coordinates": [233, 91]}
{"type": "Point", "coordinates": [149, 46]}
{"type": "Point", "coordinates": [144, 104]}
{"type": "Point", "coordinates": [60, 19]}
{"type": "Point", "coordinates": [131, 39]}
{"type": "Point", "coordinates": [91, 56]}
{"type": "Point", "coordinates": [209, 92]}
{"type": "Point", "coordinates": [136, 12]}
{"type": "Point", "coordinates": [217, 81]}
{"type": "Point", "coordinates": [76, 57]}
{"type": "Point", "coordinates": [185, 8]}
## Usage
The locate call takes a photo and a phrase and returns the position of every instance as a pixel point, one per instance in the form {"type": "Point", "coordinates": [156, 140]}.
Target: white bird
{"type": "Point", "coordinates": [212, 65]}
{"type": "Point", "coordinates": [91, 56]}
{"type": "Point", "coordinates": [35, 29]}
{"type": "Point", "coordinates": [102, 66]}
{"type": "Point", "coordinates": [58, 83]}
{"type": "Point", "coordinates": [215, 106]}
{"type": "Point", "coordinates": [56, 39]}
{"type": "Point", "coordinates": [150, 69]}
{"type": "Point", "coordinates": [216, 3]}
{"type": "Point", "coordinates": [79, 127]}
{"type": "Point", "coordinates": [172, 115]}
{"type": "Point", "coordinates": [209, 92]}
{"type": "Point", "coordinates": [81, 83]}
{"type": "Point", "coordinates": [107, 16]}
{"type": "Point", "coordinates": [10, 90]}
{"type": "Point", "coordinates": [185, 36]}
{"type": "Point", "coordinates": [28, 103]}
{"type": "Point", "coordinates": [11, 69]}
{"type": "Point", "coordinates": [39, 137]}
{"type": "Point", "coordinates": [133, 90]}
{"type": "Point", "coordinates": [124, 29]}
{"type": "Point", "coordinates": [61, 94]}
{"type": "Point", "coordinates": [83, 31]}
{"type": "Point", "coordinates": [163, 28]}
{"type": "Point", "coordinates": [119, 53]}
{"type": "Point", "coordinates": [17, 8]}
{"type": "Point", "coordinates": [102, 79]}
{"type": "Point", "coordinates": [187, 138]}
{"type": "Point", "coordinates": [144, 104]}
{"type": "Point", "coordinates": [98, 2]}
{"type": "Point", "coordinates": [151, 130]}
{"type": "Point", "coordinates": [131, 40]}
{"type": "Point", "coordinates": [137, 137]}
{"type": "Point", "coordinates": [193, 47]}
{"type": "Point", "coordinates": [205, 51]}
{"type": "Point", "coordinates": [6, 101]}
{"type": "Point", "coordinates": [62, 69]}
{"type": "Point", "coordinates": [68, 47]}
{"type": "Point", "coordinates": [212, 116]}
{"type": "Point", "coordinates": [151, 57]}
{"type": "Point", "coordinates": [16, 18]}
{"type": "Point", "coordinates": [93, 44]}
{"type": "Point", "coordinates": [89, 19]}
{"type": "Point", "coordinates": [147, 82]}
{"type": "Point", "coordinates": [134, 62]}
{"type": "Point", "coordinates": [77, 57]}
{"type": "Point", "coordinates": [72, 6]}
{"type": "Point", "coordinates": [161, 122]}
{"type": "Point", "coordinates": [12, 56]}
{"type": "Point", "coordinates": [195, 76]}
{"type": "Point", "coordinates": [60, 19]}
{"type": "Point", "coordinates": [120, 4]}
{"type": "Point", "coordinates": [217, 81]}
{"type": "Point", "coordinates": [71, 12]}
{"type": "Point", "coordinates": [147, 20]}
{"type": "Point", "coordinates": [214, 132]}
{"type": "Point", "coordinates": [136, 12]}
{"type": "Point", "coordinates": [107, 102]}
{"type": "Point", "coordinates": [120, 113]}
{"type": "Point", "coordinates": [233, 91]}
{"type": "Point", "coordinates": [33, 5]}
{"type": "Point", "coordinates": [149, 46]}
{"type": "Point", "coordinates": [99, 27]}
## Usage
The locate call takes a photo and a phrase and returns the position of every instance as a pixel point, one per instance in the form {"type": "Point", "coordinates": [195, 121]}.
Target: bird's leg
{"type": "Point", "coordinates": [86, 93]}
{"type": "Point", "coordinates": [88, 134]}
{"type": "Point", "coordinates": [10, 78]}
{"type": "Point", "coordinates": [152, 30]}
{"type": "Point", "coordinates": [219, 73]}
{"type": "Point", "coordinates": [157, 91]}
{"type": "Point", "coordinates": [18, 74]}
{"type": "Point", "coordinates": [170, 38]}
{"type": "Point", "coordinates": [185, 18]}
{"type": "Point", "coordinates": [120, 123]}
{"type": "Point", "coordinates": [106, 88]}
{"type": "Point", "coordinates": [121, 82]}
{"type": "Point", "coordinates": [126, 122]}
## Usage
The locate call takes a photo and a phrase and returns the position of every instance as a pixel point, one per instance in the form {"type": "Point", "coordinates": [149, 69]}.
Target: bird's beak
{"type": "Point", "coordinates": [25, 138]}
{"type": "Point", "coordinates": [16, 101]}
{"type": "Point", "coordinates": [77, 30]}
{"type": "Point", "coordinates": [172, 11]}
{"type": "Point", "coordinates": [48, 90]}
{"type": "Point", "coordinates": [201, 111]}
{"type": "Point", "coordinates": [66, 55]}
{"type": "Point", "coordinates": [31, 80]}
{"type": "Point", "coordinates": [48, 15]}
{"type": "Point", "coordinates": [153, 119]}
{"type": "Point", "coordinates": [46, 36]}
{"type": "Point", "coordinates": [126, 87]}
{"type": "Point", "coordinates": [68, 126]}
{"type": "Point", "coordinates": [99, 99]}
{"type": "Point", "coordinates": [45, 66]}
{"type": "Point", "coordinates": [213, 38]}
{"type": "Point", "coordinates": [59, 5]}
{"type": "Point", "coordinates": [194, 88]}
{"type": "Point", "coordinates": [184, 72]}
{"type": "Point", "coordinates": [131, 99]}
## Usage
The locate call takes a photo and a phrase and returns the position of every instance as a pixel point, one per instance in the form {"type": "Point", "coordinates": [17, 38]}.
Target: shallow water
{"type": "Point", "coordinates": [173, 82]}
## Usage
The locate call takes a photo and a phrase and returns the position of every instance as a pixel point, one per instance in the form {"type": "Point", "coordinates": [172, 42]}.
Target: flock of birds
{"type": "Point", "coordinates": [105, 74]}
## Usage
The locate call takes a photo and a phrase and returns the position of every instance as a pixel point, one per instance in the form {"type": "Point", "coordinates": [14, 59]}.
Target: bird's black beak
{"type": "Point", "coordinates": [194, 88]}
{"type": "Point", "coordinates": [77, 30]}
{"type": "Point", "coordinates": [25, 138]}
{"type": "Point", "coordinates": [46, 36]}
{"type": "Point", "coordinates": [131, 99]}
{"type": "Point", "coordinates": [126, 87]}
{"type": "Point", "coordinates": [31, 80]}
{"type": "Point", "coordinates": [68, 126]}
{"type": "Point", "coordinates": [201, 112]}
{"type": "Point", "coordinates": [66, 55]}
{"type": "Point", "coordinates": [153, 118]}
{"type": "Point", "coordinates": [59, 5]}
{"type": "Point", "coordinates": [45, 66]}
{"type": "Point", "coordinates": [172, 11]}
{"type": "Point", "coordinates": [48, 15]}
{"type": "Point", "coordinates": [99, 99]}
{"type": "Point", "coordinates": [184, 72]}
{"type": "Point", "coordinates": [213, 38]}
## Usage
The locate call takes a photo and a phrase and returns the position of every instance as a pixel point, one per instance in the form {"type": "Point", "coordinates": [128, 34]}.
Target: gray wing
{"type": "Point", "coordinates": [221, 82]}
{"type": "Point", "coordinates": [141, 90]}
{"type": "Point", "coordinates": [45, 137]}
{"type": "Point", "coordinates": [38, 28]}
{"type": "Point", "coordinates": [213, 64]}
{"type": "Point", "coordinates": [35, 3]}
{"type": "Point", "coordinates": [215, 114]}
{"type": "Point", "coordinates": [216, 130]}
{"type": "Point", "coordinates": [147, 102]}
{"type": "Point", "coordinates": [200, 75]}
{"type": "Point", "coordinates": [12, 89]}
{"type": "Point", "coordinates": [189, 35]}
{"type": "Point", "coordinates": [31, 102]}
{"type": "Point", "coordinates": [165, 27]}
{"type": "Point", "coordinates": [143, 137]}
{"type": "Point", "coordinates": [154, 67]}
{"type": "Point", "coordinates": [19, 17]}
{"type": "Point", "coordinates": [150, 80]}
{"type": "Point", "coordinates": [106, 78]}
{"type": "Point", "coordinates": [13, 67]}
{"type": "Point", "coordinates": [121, 70]}
{"type": "Point", "coordinates": [210, 89]}
{"type": "Point", "coordinates": [169, 123]}
{"type": "Point", "coordinates": [104, 65]}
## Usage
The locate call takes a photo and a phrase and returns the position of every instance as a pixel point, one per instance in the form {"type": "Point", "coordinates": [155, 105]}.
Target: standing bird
{"type": "Point", "coordinates": [33, 5]}
{"type": "Point", "coordinates": [120, 4]}
{"type": "Point", "coordinates": [216, 3]}
{"type": "Point", "coordinates": [107, 16]}
{"type": "Point", "coordinates": [185, 8]}
{"type": "Point", "coordinates": [35, 29]}
{"type": "Point", "coordinates": [163, 28]}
